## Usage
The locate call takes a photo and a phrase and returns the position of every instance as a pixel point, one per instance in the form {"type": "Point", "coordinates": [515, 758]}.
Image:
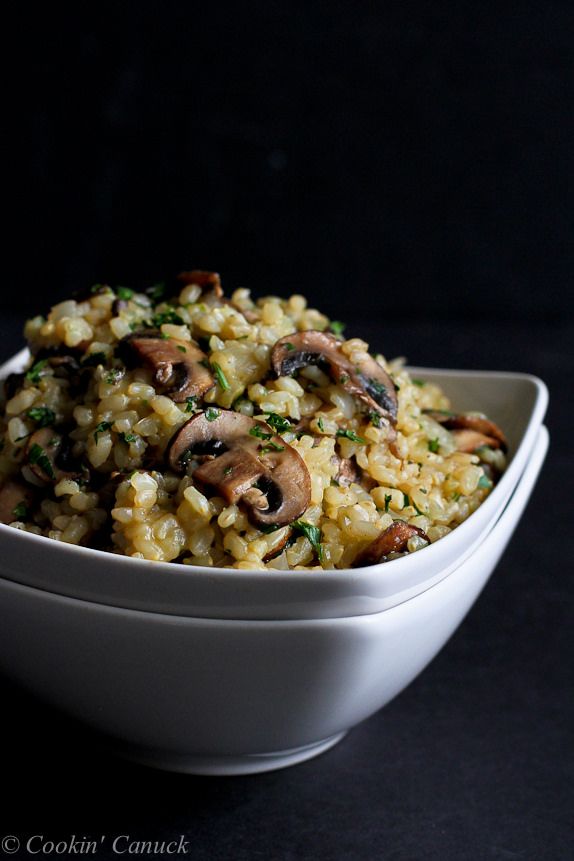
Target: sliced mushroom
{"type": "Point", "coordinates": [459, 422]}
{"type": "Point", "coordinates": [393, 539]}
{"type": "Point", "coordinates": [244, 460]}
{"type": "Point", "coordinates": [178, 365]}
{"type": "Point", "coordinates": [366, 380]}
{"type": "Point", "coordinates": [12, 495]}
{"type": "Point", "coordinates": [276, 551]}
{"type": "Point", "coordinates": [468, 440]}
{"type": "Point", "coordinates": [49, 458]}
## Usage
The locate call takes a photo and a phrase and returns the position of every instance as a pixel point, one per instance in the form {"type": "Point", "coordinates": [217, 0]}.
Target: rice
{"type": "Point", "coordinates": [86, 434]}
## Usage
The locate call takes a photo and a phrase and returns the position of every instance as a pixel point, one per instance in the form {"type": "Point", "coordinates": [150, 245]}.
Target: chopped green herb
{"type": "Point", "coordinates": [419, 383]}
{"type": "Point", "coordinates": [321, 424]}
{"type": "Point", "coordinates": [375, 419]}
{"type": "Point", "coordinates": [228, 470]}
{"type": "Point", "coordinates": [94, 359]}
{"type": "Point", "coordinates": [113, 376]}
{"type": "Point", "coordinates": [43, 416]}
{"type": "Point", "coordinates": [190, 403]}
{"type": "Point", "coordinates": [127, 437]}
{"type": "Point", "coordinates": [259, 432]}
{"type": "Point", "coordinates": [38, 456]}
{"type": "Point", "coordinates": [156, 291]}
{"type": "Point", "coordinates": [100, 428]}
{"type": "Point", "coordinates": [406, 500]}
{"type": "Point", "coordinates": [33, 375]}
{"type": "Point", "coordinates": [336, 327]}
{"type": "Point", "coordinates": [271, 446]}
{"type": "Point", "coordinates": [211, 414]}
{"type": "Point", "coordinates": [181, 348]}
{"type": "Point", "coordinates": [344, 378]}
{"type": "Point", "coordinates": [220, 377]}
{"type": "Point", "coordinates": [377, 386]}
{"type": "Point", "coordinates": [456, 496]}
{"type": "Point", "coordinates": [417, 509]}
{"type": "Point", "coordinates": [350, 434]}
{"type": "Point", "coordinates": [388, 498]}
{"type": "Point", "coordinates": [21, 511]}
{"type": "Point", "coordinates": [165, 337]}
{"type": "Point", "coordinates": [124, 293]}
{"type": "Point", "coordinates": [289, 346]}
{"type": "Point", "coordinates": [166, 317]}
{"type": "Point", "coordinates": [424, 490]}
{"type": "Point", "coordinates": [484, 482]}
{"type": "Point", "coordinates": [312, 533]}
{"type": "Point", "coordinates": [433, 445]}
{"type": "Point", "coordinates": [278, 423]}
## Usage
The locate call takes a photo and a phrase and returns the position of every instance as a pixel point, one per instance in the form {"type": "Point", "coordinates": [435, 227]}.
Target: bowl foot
{"type": "Point", "coordinates": [226, 766]}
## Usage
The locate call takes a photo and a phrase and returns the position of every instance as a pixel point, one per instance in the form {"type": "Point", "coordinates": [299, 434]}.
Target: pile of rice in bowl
{"type": "Point", "coordinates": [182, 425]}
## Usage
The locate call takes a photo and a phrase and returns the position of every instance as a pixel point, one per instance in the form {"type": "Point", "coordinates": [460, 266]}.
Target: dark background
{"type": "Point", "coordinates": [408, 168]}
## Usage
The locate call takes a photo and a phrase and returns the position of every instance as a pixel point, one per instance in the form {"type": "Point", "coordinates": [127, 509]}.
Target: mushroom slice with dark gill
{"type": "Point", "coordinates": [48, 458]}
{"type": "Point", "coordinates": [487, 433]}
{"type": "Point", "coordinates": [366, 379]}
{"type": "Point", "coordinates": [244, 461]}
{"type": "Point", "coordinates": [393, 539]}
{"type": "Point", "coordinates": [177, 365]}
{"type": "Point", "coordinates": [15, 500]}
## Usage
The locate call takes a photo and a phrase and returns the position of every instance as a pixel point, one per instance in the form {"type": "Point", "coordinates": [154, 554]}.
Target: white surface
{"type": "Point", "coordinates": [515, 401]}
{"type": "Point", "coordinates": [193, 693]}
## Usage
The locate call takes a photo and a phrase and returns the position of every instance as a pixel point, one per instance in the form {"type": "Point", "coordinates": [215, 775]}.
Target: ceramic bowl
{"type": "Point", "coordinates": [517, 402]}
{"type": "Point", "coordinates": [240, 695]}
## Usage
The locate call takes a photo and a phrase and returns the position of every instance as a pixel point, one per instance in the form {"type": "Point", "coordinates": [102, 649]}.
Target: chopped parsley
{"type": "Point", "coordinates": [190, 403]}
{"type": "Point", "coordinates": [406, 500]}
{"type": "Point", "coordinates": [344, 378]}
{"type": "Point", "coordinates": [419, 383]}
{"type": "Point", "coordinates": [278, 423]}
{"type": "Point", "coordinates": [100, 428]}
{"type": "Point", "coordinates": [42, 416]}
{"type": "Point", "coordinates": [350, 434]}
{"type": "Point", "coordinates": [21, 510]}
{"type": "Point", "coordinates": [321, 424]}
{"type": "Point", "coordinates": [378, 387]}
{"type": "Point", "coordinates": [113, 376]}
{"type": "Point", "coordinates": [259, 432]}
{"type": "Point", "coordinates": [33, 375]}
{"type": "Point", "coordinates": [433, 445]}
{"type": "Point", "coordinates": [271, 446]}
{"type": "Point", "coordinates": [124, 292]}
{"type": "Point", "coordinates": [181, 348]}
{"type": "Point", "coordinates": [211, 414]}
{"type": "Point", "coordinates": [166, 317]}
{"type": "Point", "coordinates": [312, 533]}
{"type": "Point", "coordinates": [336, 327]}
{"type": "Point", "coordinates": [375, 419]}
{"type": "Point", "coordinates": [484, 482]}
{"type": "Point", "coordinates": [228, 470]}
{"type": "Point", "coordinates": [220, 377]}
{"type": "Point", "coordinates": [456, 496]}
{"type": "Point", "coordinates": [388, 498]}
{"type": "Point", "coordinates": [127, 437]}
{"type": "Point", "coordinates": [39, 457]}
{"type": "Point", "coordinates": [289, 346]}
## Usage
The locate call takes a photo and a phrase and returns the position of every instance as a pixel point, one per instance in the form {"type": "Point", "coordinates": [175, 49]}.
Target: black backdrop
{"type": "Point", "coordinates": [412, 159]}
{"type": "Point", "coordinates": [409, 168]}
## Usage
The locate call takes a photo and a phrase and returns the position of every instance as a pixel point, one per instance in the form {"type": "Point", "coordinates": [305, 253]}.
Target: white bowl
{"type": "Point", "coordinates": [517, 402]}
{"type": "Point", "coordinates": [234, 696]}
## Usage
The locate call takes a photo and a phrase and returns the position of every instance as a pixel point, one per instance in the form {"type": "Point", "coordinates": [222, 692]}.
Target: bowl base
{"type": "Point", "coordinates": [228, 766]}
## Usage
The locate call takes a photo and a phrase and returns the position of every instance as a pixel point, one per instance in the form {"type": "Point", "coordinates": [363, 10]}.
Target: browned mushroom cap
{"type": "Point", "coordinates": [393, 539]}
{"type": "Point", "coordinates": [210, 282]}
{"type": "Point", "coordinates": [491, 433]}
{"type": "Point", "coordinates": [177, 365]}
{"type": "Point", "coordinates": [366, 380]}
{"type": "Point", "coordinates": [247, 462]}
{"type": "Point", "coordinates": [14, 496]}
